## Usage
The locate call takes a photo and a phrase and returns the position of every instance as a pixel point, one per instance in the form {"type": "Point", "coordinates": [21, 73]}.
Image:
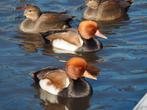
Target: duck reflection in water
{"type": "Point", "coordinates": [52, 102]}
{"type": "Point", "coordinates": [31, 42]}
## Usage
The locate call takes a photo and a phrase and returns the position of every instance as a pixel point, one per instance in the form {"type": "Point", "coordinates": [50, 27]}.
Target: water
{"type": "Point", "coordinates": [122, 62]}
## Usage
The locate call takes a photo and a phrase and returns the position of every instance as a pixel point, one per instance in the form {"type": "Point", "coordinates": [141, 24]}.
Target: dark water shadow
{"type": "Point", "coordinates": [31, 42]}
{"type": "Point", "coordinates": [52, 102]}
{"type": "Point", "coordinates": [108, 27]}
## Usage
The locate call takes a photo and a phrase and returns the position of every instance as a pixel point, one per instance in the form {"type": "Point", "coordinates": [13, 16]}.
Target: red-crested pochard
{"type": "Point", "coordinates": [67, 82]}
{"type": "Point", "coordinates": [105, 10]}
{"type": "Point", "coordinates": [41, 22]}
{"type": "Point", "coordinates": [78, 40]}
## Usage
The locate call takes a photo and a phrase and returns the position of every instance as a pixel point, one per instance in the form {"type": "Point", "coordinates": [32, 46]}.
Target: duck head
{"type": "Point", "coordinates": [77, 68]}
{"type": "Point", "coordinates": [89, 29]}
{"type": "Point", "coordinates": [31, 12]}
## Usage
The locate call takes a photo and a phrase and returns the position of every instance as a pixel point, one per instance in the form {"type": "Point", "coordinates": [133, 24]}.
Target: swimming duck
{"type": "Point", "coordinates": [105, 10]}
{"type": "Point", "coordinates": [67, 82]}
{"type": "Point", "coordinates": [78, 40]}
{"type": "Point", "coordinates": [41, 22]}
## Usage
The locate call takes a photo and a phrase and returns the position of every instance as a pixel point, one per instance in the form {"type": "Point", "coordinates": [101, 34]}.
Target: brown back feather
{"type": "Point", "coordinates": [70, 36]}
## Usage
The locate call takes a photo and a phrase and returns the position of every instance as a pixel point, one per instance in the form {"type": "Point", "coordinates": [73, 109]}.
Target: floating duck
{"type": "Point", "coordinates": [78, 40]}
{"type": "Point", "coordinates": [41, 22]}
{"type": "Point", "coordinates": [68, 82]}
{"type": "Point", "coordinates": [105, 10]}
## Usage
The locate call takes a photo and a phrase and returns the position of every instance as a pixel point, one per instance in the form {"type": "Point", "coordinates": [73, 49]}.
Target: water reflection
{"type": "Point", "coordinates": [91, 57]}
{"type": "Point", "coordinates": [31, 42]}
{"type": "Point", "coordinates": [52, 102]}
{"type": "Point", "coordinates": [108, 27]}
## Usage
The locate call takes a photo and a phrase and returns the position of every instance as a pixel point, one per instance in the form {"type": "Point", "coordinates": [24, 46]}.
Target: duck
{"type": "Point", "coordinates": [106, 10]}
{"type": "Point", "coordinates": [42, 22]}
{"type": "Point", "coordinates": [82, 39]}
{"type": "Point", "coordinates": [68, 82]}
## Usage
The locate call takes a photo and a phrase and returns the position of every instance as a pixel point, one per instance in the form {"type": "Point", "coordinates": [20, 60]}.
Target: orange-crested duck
{"type": "Point", "coordinates": [105, 10]}
{"type": "Point", "coordinates": [41, 22]}
{"type": "Point", "coordinates": [67, 82]}
{"type": "Point", "coordinates": [78, 40]}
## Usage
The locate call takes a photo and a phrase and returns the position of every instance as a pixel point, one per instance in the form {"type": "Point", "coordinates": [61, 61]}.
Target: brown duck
{"type": "Point", "coordinates": [67, 82]}
{"type": "Point", "coordinates": [105, 10]}
{"type": "Point", "coordinates": [41, 22]}
{"type": "Point", "coordinates": [82, 39]}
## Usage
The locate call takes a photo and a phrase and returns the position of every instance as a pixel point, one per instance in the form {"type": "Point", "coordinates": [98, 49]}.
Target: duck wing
{"type": "Point", "coordinates": [114, 8]}
{"type": "Point", "coordinates": [109, 10]}
{"type": "Point", "coordinates": [55, 17]}
{"type": "Point", "coordinates": [41, 74]}
{"type": "Point", "coordinates": [52, 22]}
{"type": "Point", "coordinates": [71, 36]}
{"type": "Point", "coordinates": [52, 80]}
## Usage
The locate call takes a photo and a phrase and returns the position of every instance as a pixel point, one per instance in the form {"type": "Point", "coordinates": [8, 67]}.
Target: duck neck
{"type": "Point", "coordinates": [89, 42]}
{"type": "Point", "coordinates": [89, 45]}
{"type": "Point", "coordinates": [77, 88]}
{"type": "Point", "coordinates": [36, 16]}
{"type": "Point", "coordinates": [92, 10]}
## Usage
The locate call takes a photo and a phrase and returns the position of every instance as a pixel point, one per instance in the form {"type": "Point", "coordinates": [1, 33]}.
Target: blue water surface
{"type": "Point", "coordinates": [122, 62]}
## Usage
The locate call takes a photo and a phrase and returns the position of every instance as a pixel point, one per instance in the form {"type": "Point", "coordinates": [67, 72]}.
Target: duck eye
{"type": "Point", "coordinates": [30, 10]}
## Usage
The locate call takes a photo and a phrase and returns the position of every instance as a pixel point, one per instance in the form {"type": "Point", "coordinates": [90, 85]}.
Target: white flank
{"type": "Point", "coordinates": [49, 88]}
{"type": "Point", "coordinates": [56, 50]}
{"type": "Point", "coordinates": [61, 44]}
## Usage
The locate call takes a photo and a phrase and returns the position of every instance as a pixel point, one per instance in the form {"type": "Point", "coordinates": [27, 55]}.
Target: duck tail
{"type": "Point", "coordinates": [129, 4]}
{"type": "Point", "coordinates": [126, 4]}
{"type": "Point", "coordinates": [41, 74]}
{"type": "Point", "coordinates": [130, 1]}
{"type": "Point", "coordinates": [38, 75]}
{"type": "Point", "coordinates": [34, 76]}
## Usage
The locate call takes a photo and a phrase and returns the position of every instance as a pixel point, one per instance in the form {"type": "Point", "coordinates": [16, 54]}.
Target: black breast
{"type": "Point", "coordinates": [76, 89]}
{"type": "Point", "coordinates": [90, 45]}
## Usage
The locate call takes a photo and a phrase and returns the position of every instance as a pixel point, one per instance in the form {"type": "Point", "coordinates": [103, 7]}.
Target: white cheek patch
{"type": "Point", "coordinates": [49, 88]}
